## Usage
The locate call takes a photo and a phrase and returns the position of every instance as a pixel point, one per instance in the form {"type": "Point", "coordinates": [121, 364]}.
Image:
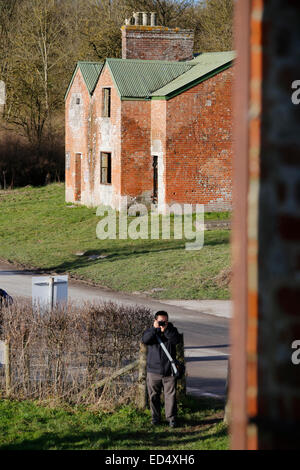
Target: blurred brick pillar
{"type": "Point", "coordinates": [265, 389]}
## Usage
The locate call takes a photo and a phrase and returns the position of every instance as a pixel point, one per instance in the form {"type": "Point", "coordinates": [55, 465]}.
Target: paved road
{"type": "Point", "coordinates": [205, 325]}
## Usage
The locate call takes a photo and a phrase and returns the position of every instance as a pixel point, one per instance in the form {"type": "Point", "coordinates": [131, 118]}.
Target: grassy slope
{"type": "Point", "coordinates": [28, 426]}
{"type": "Point", "coordinates": [38, 229]}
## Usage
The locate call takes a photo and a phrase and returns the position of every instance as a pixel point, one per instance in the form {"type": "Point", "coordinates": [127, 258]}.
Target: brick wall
{"type": "Point", "coordinates": [136, 179]}
{"type": "Point", "coordinates": [279, 227]}
{"type": "Point", "coordinates": [88, 133]}
{"type": "Point", "coordinates": [199, 144]}
{"type": "Point", "coordinates": [157, 43]}
{"type": "Point", "coordinates": [190, 135]}
{"type": "Point", "coordinates": [76, 133]}
{"type": "Point", "coordinates": [104, 136]}
{"type": "Point", "coordinates": [269, 313]}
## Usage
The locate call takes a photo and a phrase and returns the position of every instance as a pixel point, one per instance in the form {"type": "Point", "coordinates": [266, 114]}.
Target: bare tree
{"type": "Point", "coordinates": [8, 12]}
{"type": "Point", "coordinates": [100, 35]}
{"type": "Point", "coordinates": [36, 66]}
{"type": "Point", "coordinates": [214, 26]}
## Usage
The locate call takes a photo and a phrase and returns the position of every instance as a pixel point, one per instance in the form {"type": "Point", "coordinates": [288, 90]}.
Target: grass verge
{"type": "Point", "coordinates": [39, 230]}
{"type": "Point", "coordinates": [27, 425]}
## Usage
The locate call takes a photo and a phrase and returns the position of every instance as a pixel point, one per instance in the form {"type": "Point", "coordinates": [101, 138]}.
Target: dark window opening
{"type": "Point", "coordinates": [106, 99]}
{"type": "Point", "coordinates": [77, 100]}
{"type": "Point", "coordinates": [155, 179]}
{"type": "Point", "coordinates": [77, 177]}
{"type": "Point", "coordinates": [105, 168]}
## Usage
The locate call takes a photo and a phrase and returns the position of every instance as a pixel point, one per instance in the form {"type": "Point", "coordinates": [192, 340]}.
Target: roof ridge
{"type": "Point", "coordinates": [174, 62]}
{"type": "Point", "coordinates": [192, 76]}
{"type": "Point", "coordinates": [136, 78]}
{"type": "Point", "coordinates": [90, 78]}
{"type": "Point", "coordinates": [89, 62]}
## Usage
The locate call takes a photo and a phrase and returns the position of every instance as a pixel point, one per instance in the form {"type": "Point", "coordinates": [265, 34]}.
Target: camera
{"type": "Point", "coordinates": [162, 323]}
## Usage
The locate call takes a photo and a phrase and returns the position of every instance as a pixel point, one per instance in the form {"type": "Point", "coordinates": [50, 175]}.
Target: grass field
{"type": "Point", "coordinates": [30, 426]}
{"type": "Point", "coordinates": [38, 229]}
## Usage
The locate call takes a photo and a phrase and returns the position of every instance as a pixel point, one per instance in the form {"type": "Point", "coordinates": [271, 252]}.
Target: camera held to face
{"type": "Point", "coordinates": [162, 323]}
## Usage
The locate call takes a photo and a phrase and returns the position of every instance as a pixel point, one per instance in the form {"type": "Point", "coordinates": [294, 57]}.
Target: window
{"type": "Point", "coordinates": [106, 98]}
{"type": "Point", "coordinates": [105, 168]}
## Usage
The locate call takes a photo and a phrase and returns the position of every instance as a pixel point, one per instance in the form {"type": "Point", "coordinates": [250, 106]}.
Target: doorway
{"type": "Point", "coordinates": [155, 179]}
{"type": "Point", "coordinates": [77, 189]}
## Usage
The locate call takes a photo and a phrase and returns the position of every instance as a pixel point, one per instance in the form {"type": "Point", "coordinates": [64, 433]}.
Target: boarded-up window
{"type": "Point", "coordinates": [105, 168]}
{"type": "Point", "coordinates": [106, 98]}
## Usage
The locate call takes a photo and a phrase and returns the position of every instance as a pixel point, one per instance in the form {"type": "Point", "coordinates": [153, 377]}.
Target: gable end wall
{"type": "Point", "coordinates": [199, 144]}
{"type": "Point", "coordinates": [76, 131]}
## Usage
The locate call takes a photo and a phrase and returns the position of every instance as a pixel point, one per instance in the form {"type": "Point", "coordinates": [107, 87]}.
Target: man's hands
{"type": "Point", "coordinates": [162, 328]}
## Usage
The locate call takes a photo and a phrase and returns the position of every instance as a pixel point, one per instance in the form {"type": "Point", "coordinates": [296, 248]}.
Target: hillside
{"type": "Point", "coordinates": [38, 229]}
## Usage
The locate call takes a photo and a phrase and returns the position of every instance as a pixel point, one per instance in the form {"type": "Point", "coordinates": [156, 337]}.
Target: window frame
{"type": "Point", "coordinates": [106, 102]}
{"type": "Point", "coordinates": [108, 167]}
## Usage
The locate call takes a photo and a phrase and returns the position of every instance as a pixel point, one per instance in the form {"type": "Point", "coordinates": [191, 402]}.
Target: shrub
{"type": "Point", "coordinates": [61, 353]}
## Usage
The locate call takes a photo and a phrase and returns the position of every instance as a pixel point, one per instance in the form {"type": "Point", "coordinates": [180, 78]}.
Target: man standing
{"type": "Point", "coordinates": [159, 369]}
{"type": "Point", "coordinates": [5, 299]}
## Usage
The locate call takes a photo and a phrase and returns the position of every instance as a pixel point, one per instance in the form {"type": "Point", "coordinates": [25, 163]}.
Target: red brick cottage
{"type": "Point", "coordinates": [154, 126]}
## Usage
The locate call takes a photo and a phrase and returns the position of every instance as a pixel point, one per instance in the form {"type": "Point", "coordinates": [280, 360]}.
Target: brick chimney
{"type": "Point", "coordinates": [142, 38]}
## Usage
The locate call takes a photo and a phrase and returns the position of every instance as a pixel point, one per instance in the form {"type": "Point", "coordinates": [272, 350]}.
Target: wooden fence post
{"type": "Point", "coordinates": [7, 368]}
{"type": "Point", "coordinates": [26, 362]}
{"type": "Point", "coordinates": [227, 411]}
{"type": "Point", "coordinates": [181, 384]}
{"type": "Point", "coordinates": [142, 385]}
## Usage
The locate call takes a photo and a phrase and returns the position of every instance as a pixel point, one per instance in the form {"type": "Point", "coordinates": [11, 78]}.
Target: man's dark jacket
{"type": "Point", "coordinates": [157, 361]}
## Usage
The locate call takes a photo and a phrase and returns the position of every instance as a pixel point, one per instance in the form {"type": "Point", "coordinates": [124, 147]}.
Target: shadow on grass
{"type": "Point", "coordinates": [128, 251]}
{"type": "Point", "coordinates": [23, 272]}
{"type": "Point", "coordinates": [111, 256]}
{"type": "Point", "coordinates": [199, 420]}
{"type": "Point", "coordinates": [106, 439]}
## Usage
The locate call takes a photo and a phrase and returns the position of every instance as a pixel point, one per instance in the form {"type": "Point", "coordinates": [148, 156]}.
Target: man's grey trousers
{"type": "Point", "coordinates": [155, 384]}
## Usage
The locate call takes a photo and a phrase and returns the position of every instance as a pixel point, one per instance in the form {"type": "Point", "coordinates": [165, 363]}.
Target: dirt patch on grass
{"type": "Point", "coordinates": [223, 279]}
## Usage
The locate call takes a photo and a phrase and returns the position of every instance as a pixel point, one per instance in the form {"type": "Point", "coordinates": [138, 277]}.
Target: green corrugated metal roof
{"type": "Point", "coordinates": [90, 72]}
{"type": "Point", "coordinates": [206, 58]}
{"type": "Point", "coordinates": [153, 78]}
{"type": "Point", "coordinates": [139, 78]}
{"type": "Point", "coordinates": [202, 66]}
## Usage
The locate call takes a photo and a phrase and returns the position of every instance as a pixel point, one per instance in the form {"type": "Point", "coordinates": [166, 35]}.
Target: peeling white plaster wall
{"type": "Point", "coordinates": [75, 115]}
{"type": "Point", "coordinates": [157, 150]}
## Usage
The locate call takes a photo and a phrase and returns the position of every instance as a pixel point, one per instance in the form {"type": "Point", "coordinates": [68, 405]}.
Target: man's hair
{"type": "Point", "coordinates": [162, 313]}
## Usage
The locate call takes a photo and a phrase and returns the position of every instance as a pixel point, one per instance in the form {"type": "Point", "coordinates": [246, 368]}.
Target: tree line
{"type": "Point", "coordinates": [40, 43]}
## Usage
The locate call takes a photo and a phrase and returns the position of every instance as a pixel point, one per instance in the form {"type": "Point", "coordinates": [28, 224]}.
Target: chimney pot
{"type": "Point", "coordinates": [136, 18]}
{"type": "Point", "coordinates": [145, 18]}
{"type": "Point", "coordinates": [153, 18]}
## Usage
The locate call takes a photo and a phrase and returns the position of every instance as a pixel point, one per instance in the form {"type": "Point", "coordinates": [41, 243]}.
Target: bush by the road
{"type": "Point", "coordinates": [60, 354]}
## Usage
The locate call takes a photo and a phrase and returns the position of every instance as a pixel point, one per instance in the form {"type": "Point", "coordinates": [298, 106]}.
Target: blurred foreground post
{"type": "Point", "coordinates": [265, 382]}
{"type": "Point", "coordinates": [7, 368]}
{"type": "Point", "coordinates": [227, 411]}
{"type": "Point", "coordinates": [142, 385]}
{"type": "Point", "coordinates": [181, 383]}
